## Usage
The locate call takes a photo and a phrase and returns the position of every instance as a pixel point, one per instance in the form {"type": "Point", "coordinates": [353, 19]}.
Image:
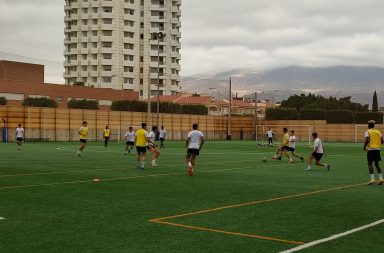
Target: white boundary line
{"type": "Point", "coordinates": [2, 218]}
{"type": "Point", "coordinates": [333, 237]}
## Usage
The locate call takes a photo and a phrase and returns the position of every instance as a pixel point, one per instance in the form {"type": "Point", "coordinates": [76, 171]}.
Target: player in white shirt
{"type": "Point", "coordinates": [162, 134]}
{"type": "Point", "coordinates": [317, 154]}
{"type": "Point", "coordinates": [270, 137]}
{"type": "Point", "coordinates": [292, 147]}
{"type": "Point", "coordinates": [152, 146]}
{"type": "Point", "coordinates": [19, 135]}
{"type": "Point", "coordinates": [130, 141]}
{"type": "Point", "coordinates": [194, 144]}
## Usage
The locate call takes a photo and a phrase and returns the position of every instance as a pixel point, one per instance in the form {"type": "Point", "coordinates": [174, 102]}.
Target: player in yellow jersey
{"type": "Point", "coordinates": [283, 148]}
{"type": "Point", "coordinates": [373, 143]}
{"type": "Point", "coordinates": [83, 132]}
{"type": "Point", "coordinates": [106, 135]}
{"type": "Point", "coordinates": [141, 142]}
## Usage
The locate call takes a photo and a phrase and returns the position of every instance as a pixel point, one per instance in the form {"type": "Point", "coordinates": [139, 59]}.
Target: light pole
{"type": "Point", "coordinates": [229, 133]}
{"type": "Point", "coordinates": [158, 36]}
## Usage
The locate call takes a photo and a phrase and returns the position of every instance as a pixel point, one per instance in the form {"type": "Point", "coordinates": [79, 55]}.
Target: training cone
{"type": "Point", "coordinates": [96, 180]}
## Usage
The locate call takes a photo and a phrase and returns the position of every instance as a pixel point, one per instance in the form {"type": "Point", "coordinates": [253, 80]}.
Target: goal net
{"type": "Point", "coordinates": [361, 129]}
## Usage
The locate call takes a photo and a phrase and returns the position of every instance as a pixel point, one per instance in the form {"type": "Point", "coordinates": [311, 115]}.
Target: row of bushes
{"type": "Point", "coordinates": [331, 116]}
{"type": "Point", "coordinates": [165, 107]}
{"type": "Point", "coordinates": [3, 101]}
{"type": "Point", "coordinates": [123, 105]}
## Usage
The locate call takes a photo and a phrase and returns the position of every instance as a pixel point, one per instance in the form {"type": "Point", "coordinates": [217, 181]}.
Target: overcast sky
{"type": "Point", "coordinates": [220, 35]}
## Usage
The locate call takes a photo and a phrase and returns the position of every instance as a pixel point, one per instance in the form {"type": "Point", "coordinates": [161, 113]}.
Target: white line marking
{"type": "Point", "coordinates": [333, 237]}
{"type": "Point", "coordinates": [1, 218]}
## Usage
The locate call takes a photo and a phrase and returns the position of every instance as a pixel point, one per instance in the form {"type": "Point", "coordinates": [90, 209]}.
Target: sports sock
{"type": "Point", "coordinates": [309, 167]}
{"type": "Point", "coordinates": [372, 176]}
{"type": "Point", "coordinates": [189, 164]}
{"type": "Point", "coordinates": [142, 164]}
{"type": "Point", "coordinates": [380, 176]}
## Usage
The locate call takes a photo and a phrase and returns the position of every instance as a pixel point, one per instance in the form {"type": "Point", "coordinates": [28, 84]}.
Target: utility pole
{"type": "Point", "coordinates": [229, 133]}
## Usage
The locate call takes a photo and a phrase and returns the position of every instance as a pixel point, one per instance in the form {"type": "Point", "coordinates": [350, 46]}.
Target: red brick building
{"type": "Point", "coordinates": [22, 80]}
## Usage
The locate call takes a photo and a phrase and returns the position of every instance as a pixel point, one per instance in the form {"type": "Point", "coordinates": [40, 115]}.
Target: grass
{"type": "Point", "coordinates": [50, 203]}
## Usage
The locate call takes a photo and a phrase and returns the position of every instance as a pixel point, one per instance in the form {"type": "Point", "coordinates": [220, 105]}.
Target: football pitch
{"type": "Point", "coordinates": [235, 202]}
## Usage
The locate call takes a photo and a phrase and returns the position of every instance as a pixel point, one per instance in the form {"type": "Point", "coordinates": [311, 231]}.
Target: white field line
{"type": "Point", "coordinates": [130, 177]}
{"type": "Point", "coordinates": [1, 218]}
{"type": "Point", "coordinates": [333, 237]}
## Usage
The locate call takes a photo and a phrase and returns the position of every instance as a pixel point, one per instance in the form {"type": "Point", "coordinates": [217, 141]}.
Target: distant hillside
{"type": "Point", "coordinates": [356, 81]}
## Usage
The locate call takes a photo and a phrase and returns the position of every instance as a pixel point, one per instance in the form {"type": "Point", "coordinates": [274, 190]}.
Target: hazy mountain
{"type": "Point", "coordinates": [359, 82]}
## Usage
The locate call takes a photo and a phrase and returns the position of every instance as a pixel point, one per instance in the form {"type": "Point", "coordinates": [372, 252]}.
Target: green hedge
{"type": "Point", "coordinates": [39, 102]}
{"type": "Point", "coordinates": [194, 109]}
{"type": "Point", "coordinates": [3, 101]}
{"type": "Point", "coordinates": [165, 107]}
{"type": "Point", "coordinates": [312, 114]}
{"type": "Point", "coordinates": [364, 117]}
{"type": "Point", "coordinates": [129, 105]}
{"type": "Point", "coordinates": [83, 104]}
{"type": "Point", "coordinates": [340, 117]}
{"type": "Point", "coordinates": [281, 114]}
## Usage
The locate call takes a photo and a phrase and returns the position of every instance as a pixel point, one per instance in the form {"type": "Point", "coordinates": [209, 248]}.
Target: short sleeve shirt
{"type": "Point", "coordinates": [195, 139]}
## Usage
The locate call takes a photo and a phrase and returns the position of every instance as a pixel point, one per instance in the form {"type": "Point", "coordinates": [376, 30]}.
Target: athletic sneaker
{"type": "Point", "coordinates": [308, 169]}
{"type": "Point", "coordinates": [372, 181]}
{"type": "Point", "coordinates": [381, 182]}
{"type": "Point", "coordinates": [302, 159]}
{"type": "Point", "coordinates": [78, 154]}
{"type": "Point", "coordinates": [328, 167]}
{"type": "Point", "coordinates": [125, 153]}
{"type": "Point", "coordinates": [190, 170]}
{"type": "Point", "coordinates": [290, 161]}
{"type": "Point", "coordinates": [154, 165]}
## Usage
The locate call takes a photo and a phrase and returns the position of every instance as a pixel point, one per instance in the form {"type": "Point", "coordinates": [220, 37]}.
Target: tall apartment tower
{"type": "Point", "coordinates": [123, 44]}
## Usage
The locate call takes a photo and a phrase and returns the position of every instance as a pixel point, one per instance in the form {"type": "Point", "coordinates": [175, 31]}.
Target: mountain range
{"type": "Point", "coordinates": [338, 81]}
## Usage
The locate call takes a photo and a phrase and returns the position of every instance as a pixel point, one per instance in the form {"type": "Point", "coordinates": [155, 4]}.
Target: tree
{"type": "Point", "coordinates": [375, 104]}
{"type": "Point", "coordinates": [39, 102]}
{"type": "Point", "coordinates": [3, 101]}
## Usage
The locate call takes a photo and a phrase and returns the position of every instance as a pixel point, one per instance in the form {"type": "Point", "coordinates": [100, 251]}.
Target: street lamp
{"type": "Point", "coordinates": [159, 36]}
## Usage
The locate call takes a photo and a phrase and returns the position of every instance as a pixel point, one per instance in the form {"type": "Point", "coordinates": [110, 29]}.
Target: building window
{"type": "Point", "coordinates": [107, 79]}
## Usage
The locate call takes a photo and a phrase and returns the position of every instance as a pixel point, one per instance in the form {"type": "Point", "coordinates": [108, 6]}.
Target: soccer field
{"type": "Point", "coordinates": [233, 203]}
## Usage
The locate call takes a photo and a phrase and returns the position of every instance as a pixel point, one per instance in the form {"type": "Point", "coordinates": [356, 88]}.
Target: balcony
{"type": "Point", "coordinates": [94, 50]}
{"type": "Point", "coordinates": [106, 14]}
{"type": "Point", "coordinates": [175, 54]}
{"type": "Point", "coordinates": [158, 19]}
{"type": "Point", "coordinates": [106, 62]}
{"type": "Point", "coordinates": [161, 76]}
{"type": "Point", "coordinates": [106, 38]}
{"type": "Point", "coordinates": [106, 73]}
{"type": "Point", "coordinates": [84, 51]}
{"type": "Point", "coordinates": [84, 62]}
{"type": "Point", "coordinates": [128, 75]}
{"type": "Point", "coordinates": [128, 63]}
{"type": "Point", "coordinates": [93, 62]}
{"type": "Point", "coordinates": [156, 53]}
{"type": "Point", "coordinates": [84, 73]}
{"type": "Point", "coordinates": [108, 27]}
{"type": "Point", "coordinates": [107, 3]}
{"type": "Point", "coordinates": [175, 43]}
{"type": "Point", "coordinates": [106, 50]}
{"type": "Point", "coordinates": [157, 7]}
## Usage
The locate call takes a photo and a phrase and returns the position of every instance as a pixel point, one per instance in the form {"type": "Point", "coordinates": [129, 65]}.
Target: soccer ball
{"type": "Point", "coordinates": [264, 159]}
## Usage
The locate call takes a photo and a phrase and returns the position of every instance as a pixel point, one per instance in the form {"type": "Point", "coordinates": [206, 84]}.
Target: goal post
{"type": "Point", "coordinates": [303, 133]}
{"type": "Point", "coordinates": [360, 130]}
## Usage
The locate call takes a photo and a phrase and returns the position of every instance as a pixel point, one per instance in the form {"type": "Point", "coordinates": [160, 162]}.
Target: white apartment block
{"type": "Point", "coordinates": [123, 44]}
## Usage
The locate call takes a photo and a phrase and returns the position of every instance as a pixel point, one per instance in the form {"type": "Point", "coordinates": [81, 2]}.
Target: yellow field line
{"type": "Point", "coordinates": [162, 219]}
{"type": "Point", "coordinates": [257, 202]}
{"type": "Point", "coordinates": [266, 238]}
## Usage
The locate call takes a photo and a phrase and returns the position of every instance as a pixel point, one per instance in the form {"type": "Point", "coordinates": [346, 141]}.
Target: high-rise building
{"type": "Point", "coordinates": [123, 44]}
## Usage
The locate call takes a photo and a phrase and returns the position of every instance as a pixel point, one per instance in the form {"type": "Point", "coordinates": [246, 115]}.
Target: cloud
{"type": "Point", "coordinates": [221, 35]}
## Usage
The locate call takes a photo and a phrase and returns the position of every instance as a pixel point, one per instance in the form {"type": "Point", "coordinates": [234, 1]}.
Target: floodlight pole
{"type": "Point", "coordinates": [255, 119]}
{"type": "Point", "coordinates": [229, 133]}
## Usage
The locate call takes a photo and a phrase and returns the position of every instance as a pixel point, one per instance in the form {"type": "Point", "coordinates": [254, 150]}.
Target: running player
{"type": "Point", "coordinates": [83, 132]}
{"type": "Point", "coordinates": [194, 144]}
{"type": "Point", "coordinates": [19, 135]}
{"type": "Point", "coordinates": [106, 135]}
{"type": "Point", "coordinates": [292, 146]}
{"type": "Point", "coordinates": [130, 140]}
{"type": "Point", "coordinates": [317, 154]}
{"type": "Point", "coordinates": [283, 148]}
{"type": "Point", "coordinates": [152, 146]}
{"type": "Point", "coordinates": [141, 141]}
{"type": "Point", "coordinates": [373, 144]}
{"type": "Point", "coordinates": [163, 133]}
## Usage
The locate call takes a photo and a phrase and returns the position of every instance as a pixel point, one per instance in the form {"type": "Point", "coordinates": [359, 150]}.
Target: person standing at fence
{"type": "Point", "coordinates": [194, 143]}
{"type": "Point", "coordinates": [130, 140]}
{"type": "Point", "coordinates": [19, 135]}
{"type": "Point", "coordinates": [106, 135]}
{"type": "Point", "coordinates": [152, 146]}
{"type": "Point", "coordinates": [163, 133]}
{"type": "Point", "coordinates": [270, 137]}
{"type": "Point", "coordinates": [83, 133]}
{"type": "Point", "coordinates": [317, 154]}
{"type": "Point", "coordinates": [373, 143]}
{"type": "Point", "coordinates": [141, 140]}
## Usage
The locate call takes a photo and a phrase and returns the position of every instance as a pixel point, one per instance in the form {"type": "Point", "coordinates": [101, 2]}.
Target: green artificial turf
{"type": "Point", "coordinates": [50, 203]}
